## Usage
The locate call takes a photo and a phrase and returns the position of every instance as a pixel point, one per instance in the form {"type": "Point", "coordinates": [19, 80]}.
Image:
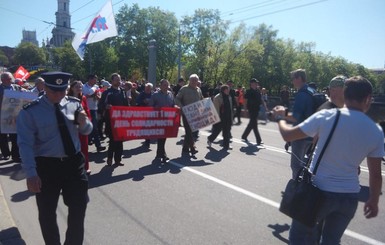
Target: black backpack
{"type": "Point", "coordinates": [318, 98]}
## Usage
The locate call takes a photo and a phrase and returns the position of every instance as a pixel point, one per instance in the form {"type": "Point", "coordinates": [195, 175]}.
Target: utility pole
{"type": "Point", "coordinates": [152, 62]}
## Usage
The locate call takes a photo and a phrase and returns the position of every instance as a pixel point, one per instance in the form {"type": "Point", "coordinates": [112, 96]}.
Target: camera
{"type": "Point", "coordinates": [270, 114]}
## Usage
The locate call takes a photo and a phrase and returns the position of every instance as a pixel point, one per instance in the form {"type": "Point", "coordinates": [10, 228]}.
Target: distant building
{"type": "Point", "coordinates": [63, 31]}
{"type": "Point", "coordinates": [378, 71]}
{"type": "Point", "coordinates": [29, 37]}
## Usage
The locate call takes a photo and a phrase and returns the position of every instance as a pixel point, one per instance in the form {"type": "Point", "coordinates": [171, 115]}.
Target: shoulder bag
{"type": "Point", "coordinates": [302, 199]}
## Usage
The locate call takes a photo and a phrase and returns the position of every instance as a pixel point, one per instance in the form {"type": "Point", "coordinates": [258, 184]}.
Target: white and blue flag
{"type": "Point", "coordinates": [100, 28]}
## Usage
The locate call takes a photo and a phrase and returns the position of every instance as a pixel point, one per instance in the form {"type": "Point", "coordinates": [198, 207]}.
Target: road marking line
{"type": "Point", "coordinates": [280, 150]}
{"type": "Point", "coordinates": [265, 200]}
{"type": "Point", "coordinates": [228, 185]}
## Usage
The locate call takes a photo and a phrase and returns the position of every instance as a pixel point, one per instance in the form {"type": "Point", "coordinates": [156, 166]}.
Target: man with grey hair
{"type": "Point", "coordinates": [7, 83]}
{"type": "Point", "coordinates": [189, 94]}
{"type": "Point", "coordinates": [39, 86]}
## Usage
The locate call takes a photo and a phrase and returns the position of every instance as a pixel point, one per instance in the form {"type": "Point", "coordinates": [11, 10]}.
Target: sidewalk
{"type": "Point", "coordinates": [9, 233]}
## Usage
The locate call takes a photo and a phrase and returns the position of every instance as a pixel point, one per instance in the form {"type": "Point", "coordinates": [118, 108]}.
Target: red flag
{"type": "Point", "coordinates": [21, 73]}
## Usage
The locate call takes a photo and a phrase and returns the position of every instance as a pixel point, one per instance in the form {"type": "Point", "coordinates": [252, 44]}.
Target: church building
{"type": "Point", "coordinates": [63, 31]}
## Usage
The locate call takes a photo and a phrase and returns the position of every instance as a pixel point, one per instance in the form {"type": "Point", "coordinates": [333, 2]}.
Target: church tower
{"type": "Point", "coordinates": [62, 32]}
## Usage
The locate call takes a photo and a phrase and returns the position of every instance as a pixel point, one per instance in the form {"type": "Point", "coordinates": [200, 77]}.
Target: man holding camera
{"type": "Point", "coordinates": [355, 138]}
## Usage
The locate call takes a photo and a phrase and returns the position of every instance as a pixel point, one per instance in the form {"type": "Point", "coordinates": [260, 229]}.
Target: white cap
{"type": "Point", "coordinates": [105, 83]}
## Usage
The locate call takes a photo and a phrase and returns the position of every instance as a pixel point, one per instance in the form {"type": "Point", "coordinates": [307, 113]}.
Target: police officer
{"type": "Point", "coordinates": [50, 149]}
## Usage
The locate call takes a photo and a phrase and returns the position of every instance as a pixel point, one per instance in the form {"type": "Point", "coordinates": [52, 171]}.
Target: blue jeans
{"type": "Point", "coordinates": [334, 216]}
{"type": "Point", "coordinates": [94, 135]}
{"type": "Point", "coordinates": [262, 112]}
{"type": "Point", "coordinates": [298, 151]}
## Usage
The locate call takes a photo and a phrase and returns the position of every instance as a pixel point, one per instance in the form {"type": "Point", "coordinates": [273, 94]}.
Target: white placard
{"type": "Point", "coordinates": [201, 114]}
{"type": "Point", "coordinates": [13, 102]}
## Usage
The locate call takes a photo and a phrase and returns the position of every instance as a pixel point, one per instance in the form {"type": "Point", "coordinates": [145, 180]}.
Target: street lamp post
{"type": "Point", "coordinates": [179, 53]}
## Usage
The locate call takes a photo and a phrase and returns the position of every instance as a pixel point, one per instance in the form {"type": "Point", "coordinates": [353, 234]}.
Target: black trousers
{"type": "Point", "coordinates": [115, 150]}
{"type": "Point", "coordinates": [188, 142]}
{"type": "Point", "coordinates": [223, 126]}
{"type": "Point", "coordinates": [4, 146]}
{"type": "Point", "coordinates": [160, 151]}
{"type": "Point", "coordinates": [253, 125]}
{"type": "Point", "coordinates": [238, 112]}
{"type": "Point", "coordinates": [67, 177]}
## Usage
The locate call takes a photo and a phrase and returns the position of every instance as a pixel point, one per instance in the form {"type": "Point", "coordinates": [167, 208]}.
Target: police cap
{"type": "Point", "coordinates": [56, 80]}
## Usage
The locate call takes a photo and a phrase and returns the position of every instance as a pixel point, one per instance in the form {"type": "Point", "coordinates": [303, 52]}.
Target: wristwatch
{"type": "Point", "coordinates": [279, 118]}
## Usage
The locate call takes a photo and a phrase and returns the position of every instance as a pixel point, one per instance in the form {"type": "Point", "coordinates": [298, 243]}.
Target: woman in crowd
{"type": "Point", "coordinates": [75, 90]}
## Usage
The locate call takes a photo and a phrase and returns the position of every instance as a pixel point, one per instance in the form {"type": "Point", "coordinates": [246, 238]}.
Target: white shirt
{"type": "Point", "coordinates": [92, 102]}
{"type": "Point", "coordinates": [355, 138]}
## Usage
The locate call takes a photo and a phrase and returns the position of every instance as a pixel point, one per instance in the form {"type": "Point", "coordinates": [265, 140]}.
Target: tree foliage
{"type": "Point", "coordinates": [3, 59]}
{"type": "Point", "coordinates": [204, 33]}
{"type": "Point", "coordinates": [207, 46]}
{"type": "Point", "coordinates": [100, 59]}
{"type": "Point", "coordinates": [29, 54]}
{"type": "Point", "coordinates": [67, 59]}
{"type": "Point", "coordinates": [136, 28]}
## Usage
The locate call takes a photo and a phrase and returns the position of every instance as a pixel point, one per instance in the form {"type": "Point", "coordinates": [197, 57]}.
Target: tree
{"type": "Point", "coordinates": [208, 48]}
{"type": "Point", "coordinates": [100, 59]}
{"type": "Point", "coordinates": [238, 53]}
{"type": "Point", "coordinates": [29, 54]}
{"type": "Point", "coordinates": [3, 59]}
{"type": "Point", "coordinates": [263, 67]}
{"type": "Point", "coordinates": [66, 58]}
{"type": "Point", "coordinates": [136, 28]}
{"type": "Point", "coordinates": [203, 33]}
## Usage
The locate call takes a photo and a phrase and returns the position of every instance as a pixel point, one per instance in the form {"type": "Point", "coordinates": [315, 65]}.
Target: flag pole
{"type": "Point", "coordinates": [90, 59]}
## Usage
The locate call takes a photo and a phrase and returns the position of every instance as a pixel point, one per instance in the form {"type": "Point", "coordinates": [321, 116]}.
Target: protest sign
{"type": "Point", "coordinates": [13, 102]}
{"type": "Point", "coordinates": [201, 114]}
{"type": "Point", "coordinates": [129, 123]}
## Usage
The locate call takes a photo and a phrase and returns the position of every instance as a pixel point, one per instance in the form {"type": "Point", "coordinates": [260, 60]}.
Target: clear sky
{"type": "Point", "coordinates": [352, 29]}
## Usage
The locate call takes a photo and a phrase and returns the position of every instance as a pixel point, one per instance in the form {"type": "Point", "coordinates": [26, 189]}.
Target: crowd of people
{"type": "Point", "coordinates": [88, 105]}
{"type": "Point", "coordinates": [140, 93]}
{"type": "Point", "coordinates": [356, 137]}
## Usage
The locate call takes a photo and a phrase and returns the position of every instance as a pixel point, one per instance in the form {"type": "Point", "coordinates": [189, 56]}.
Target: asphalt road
{"type": "Point", "coordinates": [218, 198]}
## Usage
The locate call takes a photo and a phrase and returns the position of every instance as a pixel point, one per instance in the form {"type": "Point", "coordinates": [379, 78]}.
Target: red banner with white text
{"type": "Point", "coordinates": [131, 122]}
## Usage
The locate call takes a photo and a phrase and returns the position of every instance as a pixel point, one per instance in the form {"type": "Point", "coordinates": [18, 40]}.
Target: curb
{"type": "Point", "coordinates": [9, 233]}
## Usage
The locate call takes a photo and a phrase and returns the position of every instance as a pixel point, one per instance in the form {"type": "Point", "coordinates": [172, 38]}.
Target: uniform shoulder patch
{"type": "Point", "coordinates": [30, 104]}
{"type": "Point", "coordinates": [72, 98]}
